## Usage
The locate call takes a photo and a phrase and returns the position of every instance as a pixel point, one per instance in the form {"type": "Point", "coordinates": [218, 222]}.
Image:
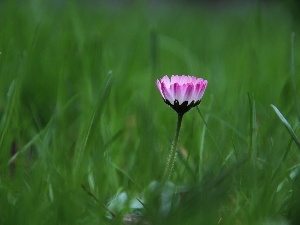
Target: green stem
{"type": "Point", "coordinates": [173, 153]}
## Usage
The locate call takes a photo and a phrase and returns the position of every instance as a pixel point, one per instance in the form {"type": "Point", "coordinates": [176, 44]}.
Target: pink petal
{"type": "Point", "coordinates": [203, 85]}
{"type": "Point", "coordinates": [188, 95]}
{"type": "Point", "coordinates": [183, 79]}
{"type": "Point", "coordinates": [175, 79]}
{"type": "Point", "coordinates": [166, 81]}
{"type": "Point", "coordinates": [176, 90]}
{"type": "Point", "coordinates": [181, 93]}
{"type": "Point", "coordinates": [188, 80]}
{"type": "Point", "coordinates": [167, 93]}
{"type": "Point", "coordinates": [158, 84]}
{"type": "Point", "coordinates": [196, 96]}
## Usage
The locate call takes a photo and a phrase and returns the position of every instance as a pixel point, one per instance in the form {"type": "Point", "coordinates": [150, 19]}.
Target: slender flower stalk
{"type": "Point", "coordinates": [181, 93]}
{"type": "Point", "coordinates": [173, 152]}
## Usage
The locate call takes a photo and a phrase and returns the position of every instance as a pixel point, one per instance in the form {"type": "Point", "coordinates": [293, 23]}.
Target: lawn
{"type": "Point", "coordinates": [85, 134]}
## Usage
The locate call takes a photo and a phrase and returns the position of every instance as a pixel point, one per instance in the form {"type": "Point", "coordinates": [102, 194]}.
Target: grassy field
{"type": "Point", "coordinates": [84, 132]}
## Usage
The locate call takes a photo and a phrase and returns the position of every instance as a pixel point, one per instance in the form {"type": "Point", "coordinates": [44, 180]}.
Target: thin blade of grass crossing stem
{"type": "Point", "coordinates": [94, 118]}
{"type": "Point", "coordinates": [287, 125]}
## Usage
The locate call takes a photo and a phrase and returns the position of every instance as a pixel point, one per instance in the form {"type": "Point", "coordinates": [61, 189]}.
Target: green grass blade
{"type": "Point", "coordinates": [282, 159]}
{"type": "Point", "coordinates": [94, 118]}
{"type": "Point", "coordinates": [253, 129]}
{"type": "Point", "coordinates": [41, 133]}
{"type": "Point", "coordinates": [229, 126]}
{"type": "Point", "coordinates": [208, 130]}
{"type": "Point", "coordinates": [287, 125]}
{"type": "Point", "coordinates": [293, 77]}
{"type": "Point", "coordinates": [7, 117]}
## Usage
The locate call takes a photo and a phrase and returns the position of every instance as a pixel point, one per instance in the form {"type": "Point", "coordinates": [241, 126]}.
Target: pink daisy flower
{"type": "Point", "coordinates": [181, 92]}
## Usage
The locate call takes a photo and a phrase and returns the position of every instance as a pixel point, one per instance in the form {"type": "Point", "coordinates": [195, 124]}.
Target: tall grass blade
{"type": "Point", "coordinates": [253, 129]}
{"type": "Point", "coordinates": [94, 118]}
{"type": "Point", "coordinates": [11, 95]}
{"type": "Point", "coordinates": [293, 78]}
{"type": "Point", "coordinates": [287, 125]}
{"type": "Point", "coordinates": [208, 130]}
{"type": "Point", "coordinates": [282, 159]}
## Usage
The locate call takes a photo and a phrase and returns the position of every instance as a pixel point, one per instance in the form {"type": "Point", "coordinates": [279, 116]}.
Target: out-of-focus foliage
{"type": "Point", "coordinates": [82, 122]}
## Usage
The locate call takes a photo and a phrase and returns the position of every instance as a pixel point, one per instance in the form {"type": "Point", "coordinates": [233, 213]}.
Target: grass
{"type": "Point", "coordinates": [82, 119]}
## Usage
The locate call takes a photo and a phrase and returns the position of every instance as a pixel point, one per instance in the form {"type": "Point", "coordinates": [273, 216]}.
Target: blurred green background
{"type": "Point", "coordinates": [82, 119]}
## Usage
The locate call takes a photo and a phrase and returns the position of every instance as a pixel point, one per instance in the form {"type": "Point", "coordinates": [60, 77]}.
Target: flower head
{"type": "Point", "coordinates": [181, 92]}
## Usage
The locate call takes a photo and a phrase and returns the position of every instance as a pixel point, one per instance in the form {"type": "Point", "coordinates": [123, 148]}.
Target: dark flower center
{"type": "Point", "coordinates": [184, 107]}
